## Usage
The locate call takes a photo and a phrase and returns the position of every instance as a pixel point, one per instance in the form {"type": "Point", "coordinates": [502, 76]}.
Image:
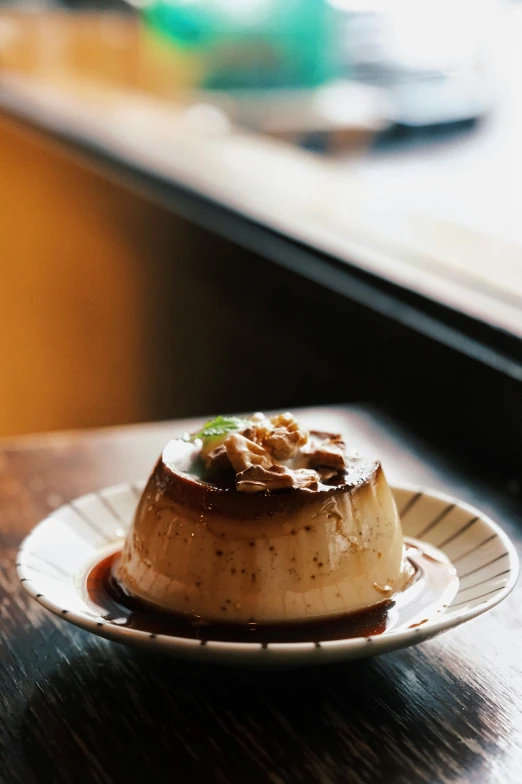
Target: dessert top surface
{"type": "Point", "coordinates": [263, 456]}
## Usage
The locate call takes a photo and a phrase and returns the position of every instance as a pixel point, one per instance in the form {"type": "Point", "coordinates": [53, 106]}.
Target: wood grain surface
{"type": "Point", "coordinates": [76, 708]}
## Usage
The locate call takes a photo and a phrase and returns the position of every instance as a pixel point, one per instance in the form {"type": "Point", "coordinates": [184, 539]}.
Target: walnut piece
{"type": "Point", "coordinates": [244, 453]}
{"type": "Point", "coordinates": [283, 444]}
{"type": "Point", "coordinates": [281, 435]}
{"type": "Point", "coordinates": [326, 473]}
{"type": "Point", "coordinates": [329, 453]}
{"type": "Point", "coordinates": [259, 431]}
{"type": "Point", "coordinates": [257, 478]}
{"type": "Point", "coordinates": [289, 422]}
{"type": "Point", "coordinates": [217, 459]}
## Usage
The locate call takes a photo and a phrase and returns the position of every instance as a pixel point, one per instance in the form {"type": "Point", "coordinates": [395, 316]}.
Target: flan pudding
{"type": "Point", "coordinates": [258, 520]}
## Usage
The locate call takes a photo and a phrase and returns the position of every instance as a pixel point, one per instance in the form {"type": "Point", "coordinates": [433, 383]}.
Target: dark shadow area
{"type": "Point", "coordinates": [401, 137]}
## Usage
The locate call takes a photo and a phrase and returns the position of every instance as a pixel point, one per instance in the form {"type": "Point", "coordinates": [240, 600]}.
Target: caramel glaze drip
{"type": "Point", "coordinates": [121, 609]}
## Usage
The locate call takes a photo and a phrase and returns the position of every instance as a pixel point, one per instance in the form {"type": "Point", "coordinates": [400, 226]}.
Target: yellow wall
{"type": "Point", "coordinates": [73, 258]}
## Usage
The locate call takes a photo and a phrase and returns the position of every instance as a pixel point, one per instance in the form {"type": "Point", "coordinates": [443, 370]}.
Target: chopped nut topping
{"type": "Point", "coordinates": [217, 459]}
{"type": "Point", "coordinates": [329, 453]}
{"type": "Point", "coordinates": [282, 444]}
{"type": "Point", "coordinates": [330, 456]}
{"type": "Point", "coordinates": [244, 453]}
{"type": "Point", "coordinates": [326, 473]}
{"type": "Point", "coordinates": [281, 435]}
{"type": "Point", "coordinates": [336, 438]}
{"type": "Point", "coordinates": [286, 420]}
{"type": "Point", "coordinates": [257, 478]}
{"type": "Point", "coordinates": [258, 432]}
{"type": "Point", "coordinates": [272, 453]}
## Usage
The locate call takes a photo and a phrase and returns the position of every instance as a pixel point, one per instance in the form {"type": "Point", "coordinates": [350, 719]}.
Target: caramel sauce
{"type": "Point", "coordinates": [431, 588]}
{"type": "Point", "coordinates": [121, 609]}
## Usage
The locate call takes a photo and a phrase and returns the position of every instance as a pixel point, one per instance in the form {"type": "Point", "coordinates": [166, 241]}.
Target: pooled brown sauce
{"type": "Point", "coordinates": [121, 609]}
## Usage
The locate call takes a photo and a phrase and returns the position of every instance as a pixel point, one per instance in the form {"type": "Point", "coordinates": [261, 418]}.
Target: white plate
{"type": "Point", "coordinates": [56, 556]}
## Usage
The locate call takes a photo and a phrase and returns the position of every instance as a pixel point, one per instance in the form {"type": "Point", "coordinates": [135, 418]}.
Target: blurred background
{"type": "Point", "coordinates": [219, 205]}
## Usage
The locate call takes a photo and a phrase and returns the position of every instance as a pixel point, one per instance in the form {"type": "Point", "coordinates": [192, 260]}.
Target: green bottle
{"type": "Point", "coordinates": [250, 44]}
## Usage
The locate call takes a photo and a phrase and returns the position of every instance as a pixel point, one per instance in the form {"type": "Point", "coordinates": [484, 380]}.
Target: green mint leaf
{"type": "Point", "coordinates": [220, 426]}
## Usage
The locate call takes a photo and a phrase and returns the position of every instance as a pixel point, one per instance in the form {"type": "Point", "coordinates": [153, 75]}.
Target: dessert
{"type": "Point", "coordinates": [259, 520]}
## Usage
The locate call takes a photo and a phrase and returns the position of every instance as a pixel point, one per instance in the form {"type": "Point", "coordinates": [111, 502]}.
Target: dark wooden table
{"type": "Point", "coordinates": [75, 708]}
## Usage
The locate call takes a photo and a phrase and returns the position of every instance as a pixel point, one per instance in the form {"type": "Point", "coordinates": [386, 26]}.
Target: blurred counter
{"type": "Point", "coordinates": [436, 221]}
{"type": "Point", "coordinates": [426, 219]}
